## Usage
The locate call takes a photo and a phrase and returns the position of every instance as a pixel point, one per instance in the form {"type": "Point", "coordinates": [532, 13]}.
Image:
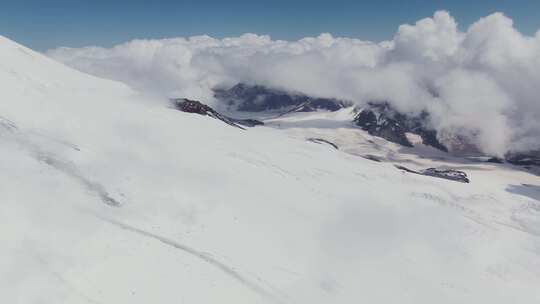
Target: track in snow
{"type": "Point", "coordinates": [230, 271]}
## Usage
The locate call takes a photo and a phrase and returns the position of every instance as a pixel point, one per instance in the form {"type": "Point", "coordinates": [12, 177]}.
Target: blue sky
{"type": "Point", "coordinates": [44, 24]}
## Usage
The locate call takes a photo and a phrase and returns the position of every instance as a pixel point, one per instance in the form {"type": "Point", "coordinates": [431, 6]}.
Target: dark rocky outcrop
{"type": "Point", "coordinates": [378, 123]}
{"type": "Point", "coordinates": [495, 160]}
{"type": "Point", "coordinates": [429, 137]}
{"type": "Point", "coordinates": [381, 120]}
{"type": "Point", "coordinates": [323, 141]}
{"type": "Point", "coordinates": [449, 174]}
{"type": "Point", "coordinates": [527, 160]}
{"type": "Point", "coordinates": [257, 98]}
{"type": "Point", "coordinates": [372, 158]}
{"type": "Point", "coordinates": [193, 106]}
{"type": "Point", "coordinates": [531, 158]}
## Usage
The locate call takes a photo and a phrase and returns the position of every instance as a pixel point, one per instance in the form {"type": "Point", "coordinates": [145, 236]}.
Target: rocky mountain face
{"type": "Point", "coordinates": [377, 118]}
{"type": "Point", "coordinates": [257, 98]}
{"type": "Point", "coordinates": [531, 158]}
{"type": "Point", "coordinates": [193, 106]}
{"type": "Point", "coordinates": [449, 174]}
{"type": "Point", "coordinates": [380, 119]}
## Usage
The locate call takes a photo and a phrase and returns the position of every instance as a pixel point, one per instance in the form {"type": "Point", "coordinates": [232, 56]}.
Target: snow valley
{"type": "Point", "coordinates": [113, 195]}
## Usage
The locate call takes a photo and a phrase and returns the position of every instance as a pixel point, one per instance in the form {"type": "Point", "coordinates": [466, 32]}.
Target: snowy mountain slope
{"type": "Point", "coordinates": [111, 198]}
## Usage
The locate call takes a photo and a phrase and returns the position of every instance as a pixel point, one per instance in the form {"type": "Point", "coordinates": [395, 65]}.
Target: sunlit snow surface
{"type": "Point", "coordinates": [107, 197]}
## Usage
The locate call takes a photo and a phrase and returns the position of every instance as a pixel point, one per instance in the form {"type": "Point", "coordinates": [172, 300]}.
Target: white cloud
{"type": "Point", "coordinates": [482, 82]}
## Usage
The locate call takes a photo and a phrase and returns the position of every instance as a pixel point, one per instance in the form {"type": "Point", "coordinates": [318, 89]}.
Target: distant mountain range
{"type": "Point", "coordinates": [377, 118]}
{"type": "Point", "coordinates": [257, 98]}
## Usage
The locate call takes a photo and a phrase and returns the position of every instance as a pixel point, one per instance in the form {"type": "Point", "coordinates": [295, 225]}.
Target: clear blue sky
{"type": "Point", "coordinates": [44, 24]}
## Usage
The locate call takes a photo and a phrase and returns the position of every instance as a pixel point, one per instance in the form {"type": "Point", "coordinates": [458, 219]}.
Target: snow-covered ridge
{"type": "Point", "coordinates": [20, 61]}
{"type": "Point", "coordinates": [107, 197]}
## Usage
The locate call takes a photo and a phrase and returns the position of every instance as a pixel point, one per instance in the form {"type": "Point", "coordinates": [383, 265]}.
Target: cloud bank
{"type": "Point", "coordinates": [481, 84]}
